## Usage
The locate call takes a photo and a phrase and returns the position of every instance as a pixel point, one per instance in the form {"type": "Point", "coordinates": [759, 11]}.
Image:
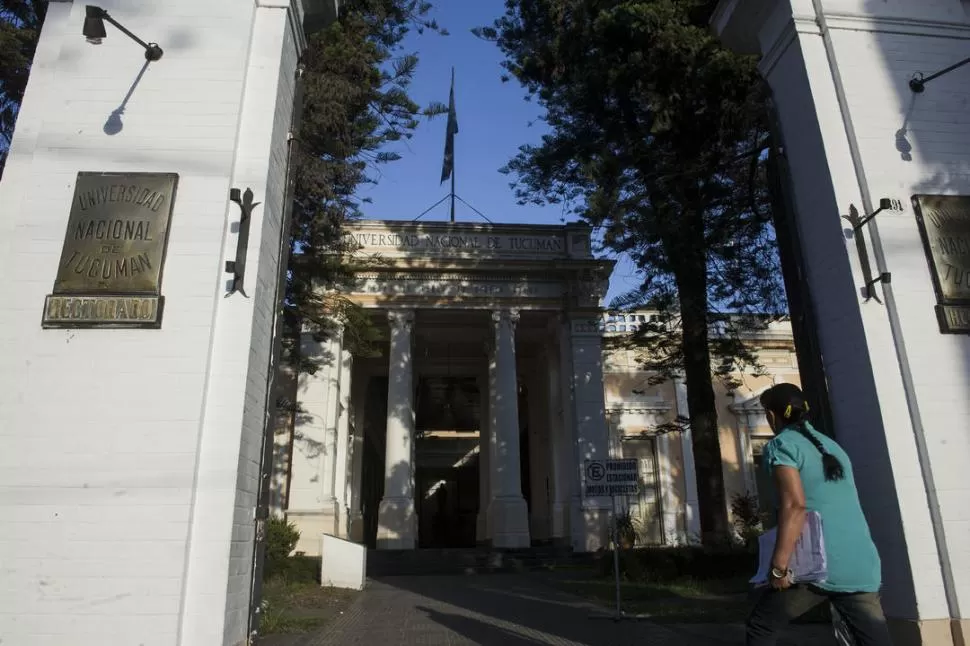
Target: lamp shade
{"type": "Point", "coordinates": [94, 24]}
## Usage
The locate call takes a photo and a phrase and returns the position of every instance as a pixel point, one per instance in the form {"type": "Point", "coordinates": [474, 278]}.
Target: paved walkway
{"type": "Point", "coordinates": [505, 610]}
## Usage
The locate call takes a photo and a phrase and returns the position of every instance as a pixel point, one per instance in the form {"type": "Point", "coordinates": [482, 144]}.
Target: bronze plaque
{"type": "Point", "coordinates": [110, 270]}
{"type": "Point", "coordinates": [944, 222]}
{"type": "Point", "coordinates": [954, 319]}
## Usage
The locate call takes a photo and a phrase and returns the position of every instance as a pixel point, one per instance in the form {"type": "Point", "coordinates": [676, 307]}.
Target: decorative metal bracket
{"type": "Point", "coordinates": [860, 245]}
{"type": "Point", "coordinates": [238, 267]}
{"type": "Point", "coordinates": [885, 278]}
{"type": "Point", "coordinates": [884, 204]}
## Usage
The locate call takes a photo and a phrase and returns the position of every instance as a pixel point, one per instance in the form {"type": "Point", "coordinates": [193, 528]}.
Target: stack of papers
{"type": "Point", "coordinates": [807, 563]}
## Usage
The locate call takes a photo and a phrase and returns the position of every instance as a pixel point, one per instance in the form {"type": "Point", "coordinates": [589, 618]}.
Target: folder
{"type": "Point", "coordinates": [808, 564]}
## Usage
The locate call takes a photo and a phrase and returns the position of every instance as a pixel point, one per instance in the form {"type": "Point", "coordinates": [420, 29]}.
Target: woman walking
{"type": "Point", "coordinates": [811, 472]}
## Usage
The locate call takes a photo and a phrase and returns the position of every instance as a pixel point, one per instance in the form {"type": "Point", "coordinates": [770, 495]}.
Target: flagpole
{"type": "Point", "coordinates": [453, 155]}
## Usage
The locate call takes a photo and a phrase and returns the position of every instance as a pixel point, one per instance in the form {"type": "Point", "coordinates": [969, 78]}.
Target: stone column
{"type": "Point", "coordinates": [691, 506]}
{"type": "Point", "coordinates": [589, 412]}
{"type": "Point", "coordinates": [745, 457]}
{"type": "Point", "coordinates": [895, 380]}
{"type": "Point", "coordinates": [312, 506]}
{"type": "Point", "coordinates": [508, 512]}
{"type": "Point", "coordinates": [396, 520]}
{"type": "Point", "coordinates": [668, 501]}
{"type": "Point", "coordinates": [482, 533]}
{"type": "Point", "coordinates": [358, 392]}
{"type": "Point", "coordinates": [570, 453]}
{"type": "Point", "coordinates": [560, 443]}
{"type": "Point", "coordinates": [341, 479]}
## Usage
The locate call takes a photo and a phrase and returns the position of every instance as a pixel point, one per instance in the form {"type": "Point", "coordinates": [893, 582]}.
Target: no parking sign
{"type": "Point", "coordinates": [611, 478]}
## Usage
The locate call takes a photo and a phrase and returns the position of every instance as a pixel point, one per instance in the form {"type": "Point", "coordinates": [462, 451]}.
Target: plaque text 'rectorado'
{"type": "Point", "coordinates": [110, 270]}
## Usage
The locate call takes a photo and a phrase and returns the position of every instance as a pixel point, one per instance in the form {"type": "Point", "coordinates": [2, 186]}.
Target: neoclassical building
{"type": "Point", "coordinates": [493, 388]}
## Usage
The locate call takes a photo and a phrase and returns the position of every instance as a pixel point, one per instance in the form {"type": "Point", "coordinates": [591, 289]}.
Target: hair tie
{"type": "Point", "coordinates": [788, 411]}
{"type": "Point", "coordinates": [806, 407]}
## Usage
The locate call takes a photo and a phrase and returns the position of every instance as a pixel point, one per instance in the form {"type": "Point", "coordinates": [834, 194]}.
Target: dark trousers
{"type": "Point", "coordinates": [861, 611]}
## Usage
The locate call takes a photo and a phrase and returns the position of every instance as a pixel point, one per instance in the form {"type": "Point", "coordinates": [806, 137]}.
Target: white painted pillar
{"type": "Point", "coordinates": [396, 519]}
{"type": "Point", "coordinates": [508, 512]}
{"type": "Point", "coordinates": [745, 456]}
{"type": "Point", "coordinates": [179, 477]}
{"type": "Point", "coordinates": [584, 342]}
{"type": "Point", "coordinates": [577, 526]}
{"type": "Point", "coordinates": [358, 391]}
{"type": "Point", "coordinates": [312, 506]}
{"type": "Point", "coordinates": [853, 133]}
{"type": "Point", "coordinates": [482, 532]}
{"type": "Point", "coordinates": [560, 443]}
{"type": "Point", "coordinates": [286, 388]}
{"type": "Point", "coordinates": [691, 506]}
{"type": "Point", "coordinates": [331, 417]}
{"type": "Point", "coordinates": [672, 534]}
{"type": "Point", "coordinates": [341, 470]}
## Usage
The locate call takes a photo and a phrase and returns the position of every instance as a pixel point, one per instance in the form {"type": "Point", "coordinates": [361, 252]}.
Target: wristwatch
{"type": "Point", "coordinates": [779, 574]}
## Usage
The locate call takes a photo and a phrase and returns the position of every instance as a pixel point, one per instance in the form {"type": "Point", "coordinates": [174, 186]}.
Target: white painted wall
{"type": "Point", "coordinates": [133, 522]}
{"type": "Point", "coordinates": [908, 144]}
{"type": "Point", "coordinates": [343, 564]}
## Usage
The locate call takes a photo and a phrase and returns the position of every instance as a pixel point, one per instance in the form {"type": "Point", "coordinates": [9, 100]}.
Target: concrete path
{"type": "Point", "coordinates": [506, 610]}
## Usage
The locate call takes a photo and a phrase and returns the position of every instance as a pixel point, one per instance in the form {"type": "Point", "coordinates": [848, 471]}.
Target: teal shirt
{"type": "Point", "coordinates": [853, 562]}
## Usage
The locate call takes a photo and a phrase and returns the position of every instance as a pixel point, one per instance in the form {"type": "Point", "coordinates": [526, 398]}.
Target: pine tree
{"type": "Point", "coordinates": [20, 22]}
{"type": "Point", "coordinates": [657, 137]}
{"type": "Point", "coordinates": [355, 107]}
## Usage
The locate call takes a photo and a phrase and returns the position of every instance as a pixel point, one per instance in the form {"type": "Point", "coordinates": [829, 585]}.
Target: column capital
{"type": "Point", "coordinates": [511, 315]}
{"type": "Point", "coordinates": [400, 318]}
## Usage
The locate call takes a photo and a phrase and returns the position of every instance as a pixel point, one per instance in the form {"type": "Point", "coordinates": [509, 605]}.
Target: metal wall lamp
{"type": "Point", "coordinates": [94, 32]}
{"type": "Point", "coordinates": [918, 83]}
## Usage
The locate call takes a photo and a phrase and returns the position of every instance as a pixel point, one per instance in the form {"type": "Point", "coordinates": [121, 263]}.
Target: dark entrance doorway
{"type": "Point", "coordinates": [448, 417]}
{"type": "Point", "coordinates": [372, 476]}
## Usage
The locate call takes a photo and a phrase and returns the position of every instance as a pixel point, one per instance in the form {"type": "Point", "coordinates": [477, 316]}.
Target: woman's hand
{"type": "Point", "coordinates": [783, 583]}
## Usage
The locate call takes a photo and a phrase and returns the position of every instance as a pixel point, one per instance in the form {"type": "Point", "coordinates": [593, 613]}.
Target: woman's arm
{"type": "Point", "coordinates": [791, 514]}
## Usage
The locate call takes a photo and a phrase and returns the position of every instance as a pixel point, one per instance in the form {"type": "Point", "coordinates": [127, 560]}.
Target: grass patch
{"type": "Point", "coordinates": [684, 601]}
{"type": "Point", "coordinates": [300, 607]}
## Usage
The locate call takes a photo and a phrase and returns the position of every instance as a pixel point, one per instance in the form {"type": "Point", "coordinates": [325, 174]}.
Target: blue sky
{"type": "Point", "coordinates": [493, 121]}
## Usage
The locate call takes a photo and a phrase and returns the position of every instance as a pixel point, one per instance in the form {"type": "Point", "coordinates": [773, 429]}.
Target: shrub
{"type": "Point", "coordinates": [301, 569]}
{"type": "Point", "coordinates": [748, 520]}
{"type": "Point", "coordinates": [660, 564]}
{"type": "Point", "coordinates": [281, 539]}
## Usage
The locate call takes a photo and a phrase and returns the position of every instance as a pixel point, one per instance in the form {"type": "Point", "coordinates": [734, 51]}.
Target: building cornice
{"type": "Point", "coordinates": [895, 25]}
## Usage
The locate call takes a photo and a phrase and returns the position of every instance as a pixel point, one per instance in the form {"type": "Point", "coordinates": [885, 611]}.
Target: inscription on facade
{"type": "Point", "coordinates": [456, 288]}
{"type": "Point", "coordinates": [464, 243]}
{"type": "Point", "coordinates": [114, 248]}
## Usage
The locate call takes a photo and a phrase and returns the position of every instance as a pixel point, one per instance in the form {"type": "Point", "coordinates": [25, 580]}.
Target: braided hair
{"type": "Point", "coordinates": [788, 404]}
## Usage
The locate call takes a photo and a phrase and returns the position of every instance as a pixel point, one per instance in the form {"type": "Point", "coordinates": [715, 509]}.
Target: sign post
{"type": "Point", "coordinates": [612, 478]}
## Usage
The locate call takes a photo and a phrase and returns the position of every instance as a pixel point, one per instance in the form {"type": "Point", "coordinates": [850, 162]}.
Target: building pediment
{"type": "Point", "coordinates": [393, 239]}
{"type": "Point", "coordinates": [434, 264]}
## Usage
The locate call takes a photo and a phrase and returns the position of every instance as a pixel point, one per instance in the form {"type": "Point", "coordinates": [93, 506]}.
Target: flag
{"type": "Point", "coordinates": [448, 166]}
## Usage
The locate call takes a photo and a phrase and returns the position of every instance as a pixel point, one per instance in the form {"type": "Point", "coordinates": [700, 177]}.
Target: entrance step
{"type": "Point", "coordinates": [382, 563]}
